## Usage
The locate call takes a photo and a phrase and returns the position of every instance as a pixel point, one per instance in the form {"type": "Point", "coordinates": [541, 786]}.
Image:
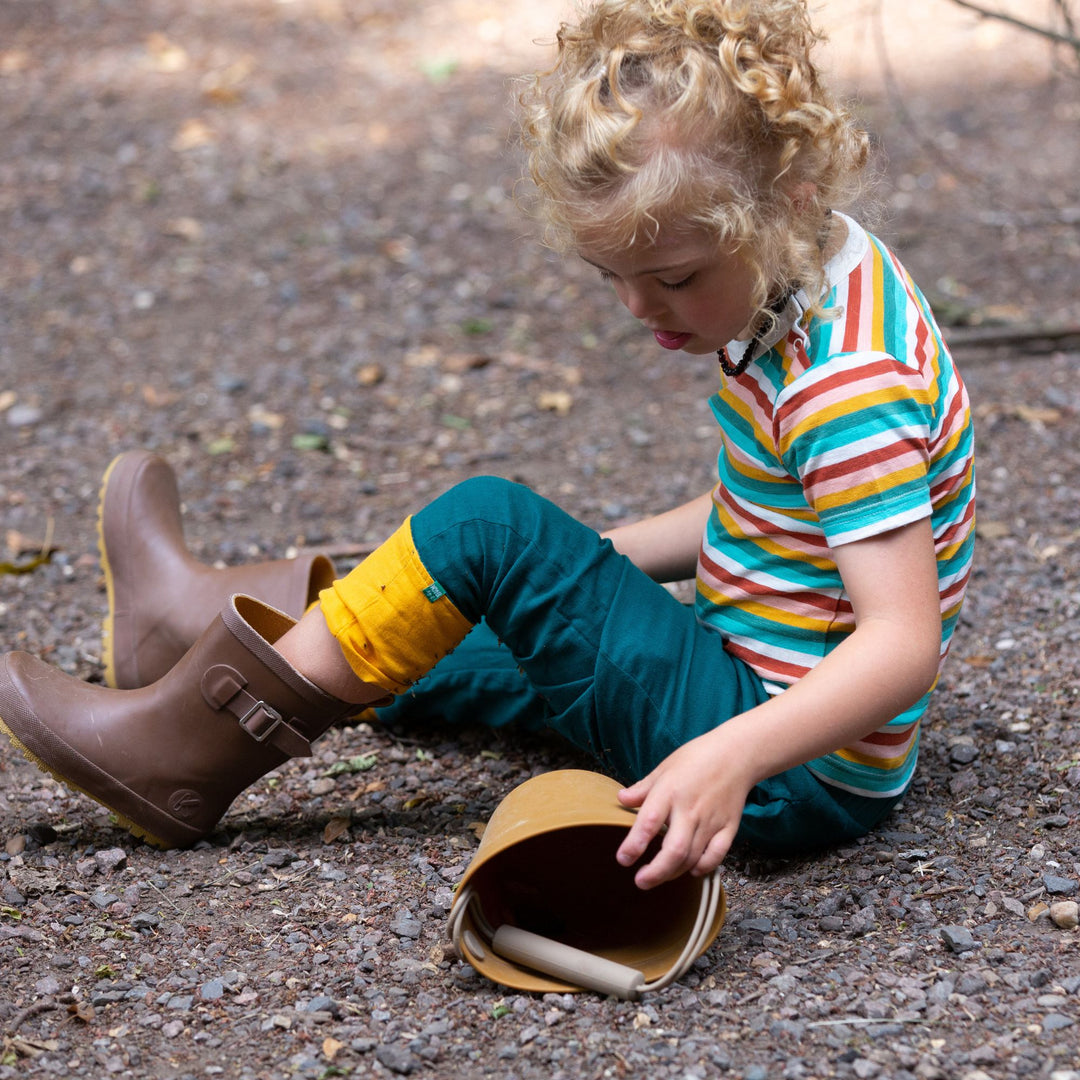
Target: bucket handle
{"type": "Point", "coordinates": [573, 965]}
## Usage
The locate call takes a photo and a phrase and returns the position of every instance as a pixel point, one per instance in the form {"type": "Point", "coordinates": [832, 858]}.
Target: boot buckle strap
{"type": "Point", "coordinates": [223, 688]}
{"type": "Point", "coordinates": [253, 721]}
{"type": "Point", "coordinates": [265, 724]}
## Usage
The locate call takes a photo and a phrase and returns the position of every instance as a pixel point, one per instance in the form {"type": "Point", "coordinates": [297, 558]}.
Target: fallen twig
{"type": "Point", "coordinates": [862, 1020]}
{"type": "Point", "coordinates": [20, 1018]}
{"type": "Point", "coordinates": [1033, 336]}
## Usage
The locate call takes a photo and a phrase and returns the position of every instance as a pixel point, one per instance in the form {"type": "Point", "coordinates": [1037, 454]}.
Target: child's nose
{"type": "Point", "coordinates": [641, 303]}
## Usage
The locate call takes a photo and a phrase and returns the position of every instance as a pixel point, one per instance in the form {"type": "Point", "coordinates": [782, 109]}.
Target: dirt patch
{"type": "Point", "coordinates": [277, 243]}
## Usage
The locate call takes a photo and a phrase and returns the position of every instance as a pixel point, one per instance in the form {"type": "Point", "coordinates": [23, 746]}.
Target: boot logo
{"type": "Point", "coordinates": [185, 803]}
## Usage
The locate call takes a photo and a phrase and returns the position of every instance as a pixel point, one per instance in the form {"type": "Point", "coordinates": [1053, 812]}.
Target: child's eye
{"type": "Point", "coordinates": [674, 286]}
{"type": "Point", "coordinates": [605, 275]}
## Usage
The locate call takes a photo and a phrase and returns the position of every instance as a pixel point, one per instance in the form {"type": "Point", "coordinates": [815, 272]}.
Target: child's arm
{"type": "Point", "coordinates": [666, 546]}
{"type": "Point", "coordinates": [886, 664]}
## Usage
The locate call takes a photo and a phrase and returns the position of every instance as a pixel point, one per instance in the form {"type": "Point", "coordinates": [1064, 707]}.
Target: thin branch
{"type": "Point", "coordinates": [1042, 31]}
{"type": "Point", "coordinates": [899, 103]}
{"type": "Point", "coordinates": [1022, 338]}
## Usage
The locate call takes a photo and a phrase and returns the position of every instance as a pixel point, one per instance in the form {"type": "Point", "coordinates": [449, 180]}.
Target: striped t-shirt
{"type": "Point", "coordinates": [842, 430]}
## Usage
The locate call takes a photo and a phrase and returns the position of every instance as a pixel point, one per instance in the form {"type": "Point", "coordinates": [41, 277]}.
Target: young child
{"type": "Point", "coordinates": [688, 151]}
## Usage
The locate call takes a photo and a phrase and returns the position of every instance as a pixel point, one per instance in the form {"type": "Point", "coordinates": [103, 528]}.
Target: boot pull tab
{"type": "Point", "coordinates": [223, 688]}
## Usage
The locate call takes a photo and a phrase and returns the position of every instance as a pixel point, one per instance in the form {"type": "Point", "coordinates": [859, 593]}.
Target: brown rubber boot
{"type": "Point", "coordinates": [160, 596]}
{"type": "Point", "coordinates": [169, 758]}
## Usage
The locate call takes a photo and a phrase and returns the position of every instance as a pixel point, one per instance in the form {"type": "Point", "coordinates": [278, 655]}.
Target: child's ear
{"type": "Point", "coordinates": [802, 195]}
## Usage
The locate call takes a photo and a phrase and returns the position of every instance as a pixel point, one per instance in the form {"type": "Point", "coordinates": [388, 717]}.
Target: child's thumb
{"type": "Point", "coordinates": [634, 795]}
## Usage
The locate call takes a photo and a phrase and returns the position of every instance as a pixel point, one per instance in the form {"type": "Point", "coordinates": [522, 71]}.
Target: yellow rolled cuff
{"type": "Point", "coordinates": [391, 618]}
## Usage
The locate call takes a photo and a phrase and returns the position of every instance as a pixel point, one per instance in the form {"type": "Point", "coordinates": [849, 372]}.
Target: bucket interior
{"type": "Point", "coordinates": [566, 885]}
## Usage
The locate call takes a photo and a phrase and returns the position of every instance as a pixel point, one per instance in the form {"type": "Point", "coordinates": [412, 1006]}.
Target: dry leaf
{"type": "Point", "coordinates": [82, 1010]}
{"type": "Point", "coordinates": [330, 1048]}
{"type": "Point", "coordinates": [223, 87]}
{"type": "Point", "coordinates": [556, 401]}
{"type": "Point", "coordinates": [165, 55]}
{"type": "Point", "coordinates": [458, 363]}
{"type": "Point", "coordinates": [370, 374]}
{"type": "Point", "coordinates": [12, 61]}
{"type": "Point", "coordinates": [7, 399]}
{"type": "Point", "coordinates": [218, 94]}
{"type": "Point", "coordinates": [158, 399]}
{"type": "Point", "coordinates": [192, 134]}
{"type": "Point", "coordinates": [424, 357]}
{"type": "Point", "coordinates": [258, 415]}
{"type": "Point", "coordinates": [185, 228]}
{"type": "Point", "coordinates": [477, 829]}
{"type": "Point", "coordinates": [379, 134]}
{"type": "Point", "coordinates": [30, 1048]}
{"type": "Point", "coordinates": [336, 827]}
{"type": "Point", "coordinates": [992, 530]}
{"type": "Point", "coordinates": [398, 248]}
{"type": "Point", "coordinates": [1040, 908]}
{"type": "Point", "coordinates": [1032, 415]}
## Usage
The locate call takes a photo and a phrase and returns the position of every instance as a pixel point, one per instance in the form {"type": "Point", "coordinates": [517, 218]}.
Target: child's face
{"type": "Point", "coordinates": [691, 296]}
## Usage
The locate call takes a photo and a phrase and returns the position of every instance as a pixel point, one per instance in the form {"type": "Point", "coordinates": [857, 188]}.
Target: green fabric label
{"type": "Point", "coordinates": [434, 592]}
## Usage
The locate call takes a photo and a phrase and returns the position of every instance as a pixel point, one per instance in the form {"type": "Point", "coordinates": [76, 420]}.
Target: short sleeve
{"type": "Point", "coordinates": [856, 433]}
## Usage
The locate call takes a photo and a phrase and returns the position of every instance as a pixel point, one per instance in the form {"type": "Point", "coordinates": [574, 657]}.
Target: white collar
{"type": "Point", "coordinates": [795, 305]}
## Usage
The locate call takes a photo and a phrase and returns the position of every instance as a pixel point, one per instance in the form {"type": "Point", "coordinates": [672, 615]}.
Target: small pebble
{"type": "Point", "coordinates": [111, 860]}
{"type": "Point", "coordinates": [406, 926]}
{"type": "Point", "coordinates": [963, 754]}
{"type": "Point", "coordinates": [23, 416]}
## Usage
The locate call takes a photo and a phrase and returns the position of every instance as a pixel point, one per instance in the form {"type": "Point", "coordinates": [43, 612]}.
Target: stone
{"type": "Point", "coordinates": [111, 859]}
{"type": "Point", "coordinates": [958, 938]}
{"type": "Point", "coordinates": [1059, 886]}
{"type": "Point", "coordinates": [1065, 914]}
{"type": "Point", "coordinates": [396, 1058]}
{"type": "Point", "coordinates": [1057, 1022]}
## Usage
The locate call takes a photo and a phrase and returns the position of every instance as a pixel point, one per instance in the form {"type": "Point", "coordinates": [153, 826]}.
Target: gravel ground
{"type": "Point", "coordinates": [276, 242]}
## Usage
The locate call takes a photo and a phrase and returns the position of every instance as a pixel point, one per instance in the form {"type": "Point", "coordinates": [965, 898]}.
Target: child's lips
{"type": "Point", "coordinates": [671, 340]}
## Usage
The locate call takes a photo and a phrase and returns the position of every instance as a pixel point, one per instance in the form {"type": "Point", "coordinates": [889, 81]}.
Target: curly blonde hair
{"type": "Point", "coordinates": [693, 115]}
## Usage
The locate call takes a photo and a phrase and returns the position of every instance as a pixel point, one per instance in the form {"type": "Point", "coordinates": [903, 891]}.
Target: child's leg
{"type": "Point", "coordinates": [479, 684]}
{"type": "Point", "coordinates": [623, 669]}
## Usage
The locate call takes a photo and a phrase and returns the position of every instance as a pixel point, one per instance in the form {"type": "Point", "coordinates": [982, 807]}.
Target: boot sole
{"type": "Point", "coordinates": [125, 822]}
{"type": "Point", "coordinates": [108, 639]}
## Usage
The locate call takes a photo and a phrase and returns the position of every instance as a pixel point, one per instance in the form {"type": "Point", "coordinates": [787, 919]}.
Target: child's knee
{"type": "Point", "coordinates": [489, 499]}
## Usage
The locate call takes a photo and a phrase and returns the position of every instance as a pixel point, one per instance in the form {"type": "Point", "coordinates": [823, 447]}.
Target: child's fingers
{"type": "Point", "coordinates": [677, 854]}
{"type": "Point", "coordinates": [649, 821]}
{"type": "Point", "coordinates": [714, 854]}
{"type": "Point", "coordinates": [635, 794]}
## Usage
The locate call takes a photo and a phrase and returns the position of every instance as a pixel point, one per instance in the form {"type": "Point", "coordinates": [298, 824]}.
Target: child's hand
{"type": "Point", "coordinates": [699, 798]}
{"type": "Point", "coordinates": [888, 663]}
